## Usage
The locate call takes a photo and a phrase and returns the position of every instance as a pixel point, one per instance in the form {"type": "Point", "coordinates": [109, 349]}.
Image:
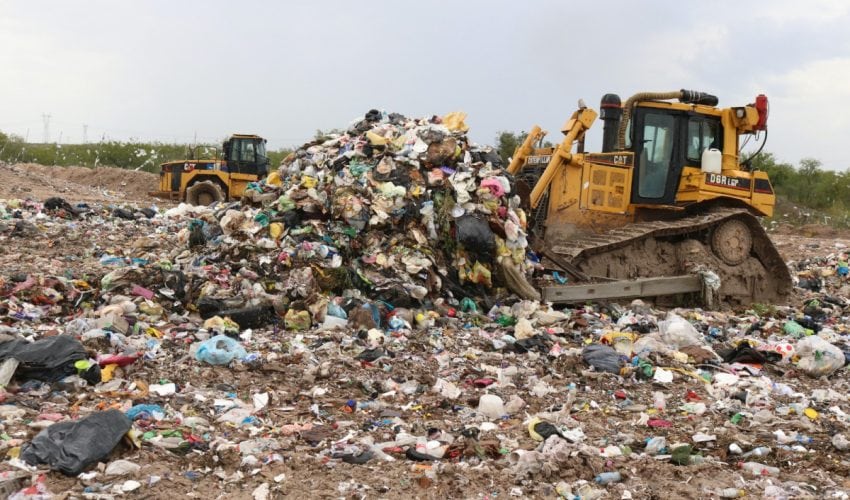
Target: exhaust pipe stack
{"type": "Point", "coordinates": [611, 111]}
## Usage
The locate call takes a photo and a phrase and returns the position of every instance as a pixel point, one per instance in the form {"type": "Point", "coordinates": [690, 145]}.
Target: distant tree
{"type": "Point", "coordinates": [810, 169]}
{"type": "Point", "coordinates": [507, 142]}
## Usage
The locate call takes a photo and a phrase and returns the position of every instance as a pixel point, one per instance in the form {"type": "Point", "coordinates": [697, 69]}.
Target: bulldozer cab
{"type": "Point", "coordinates": [246, 154]}
{"type": "Point", "coordinates": [664, 141]}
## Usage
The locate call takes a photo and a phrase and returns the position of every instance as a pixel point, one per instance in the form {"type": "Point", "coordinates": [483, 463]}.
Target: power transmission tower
{"type": "Point", "coordinates": [85, 134]}
{"type": "Point", "coordinates": [46, 119]}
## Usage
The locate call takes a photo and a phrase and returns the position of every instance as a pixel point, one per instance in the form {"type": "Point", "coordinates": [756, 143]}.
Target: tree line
{"type": "Point", "coordinates": [134, 155]}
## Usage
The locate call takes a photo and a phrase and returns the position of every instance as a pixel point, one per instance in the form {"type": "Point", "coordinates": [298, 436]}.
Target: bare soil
{"type": "Point", "coordinates": [78, 184]}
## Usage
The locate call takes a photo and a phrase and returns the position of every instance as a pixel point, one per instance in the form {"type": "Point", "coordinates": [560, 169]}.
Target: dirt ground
{"type": "Point", "coordinates": [216, 470]}
{"type": "Point", "coordinates": [80, 184]}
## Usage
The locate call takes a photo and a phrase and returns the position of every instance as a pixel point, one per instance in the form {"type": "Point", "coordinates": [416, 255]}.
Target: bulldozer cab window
{"type": "Point", "coordinates": [703, 133]}
{"type": "Point", "coordinates": [656, 153]}
{"type": "Point", "coordinates": [247, 151]}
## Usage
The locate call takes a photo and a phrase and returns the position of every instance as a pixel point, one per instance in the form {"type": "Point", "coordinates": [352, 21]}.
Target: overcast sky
{"type": "Point", "coordinates": [169, 70]}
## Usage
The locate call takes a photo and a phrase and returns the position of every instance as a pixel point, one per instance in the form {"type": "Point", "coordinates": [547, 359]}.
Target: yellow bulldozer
{"type": "Point", "coordinates": [202, 182]}
{"type": "Point", "coordinates": [669, 206]}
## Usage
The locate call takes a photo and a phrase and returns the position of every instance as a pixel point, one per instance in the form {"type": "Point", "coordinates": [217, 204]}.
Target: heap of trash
{"type": "Point", "coordinates": [360, 325]}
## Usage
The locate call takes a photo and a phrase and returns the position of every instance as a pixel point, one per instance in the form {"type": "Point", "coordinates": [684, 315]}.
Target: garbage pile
{"type": "Point", "coordinates": [337, 334]}
{"type": "Point", "coordinates": [406, 206]}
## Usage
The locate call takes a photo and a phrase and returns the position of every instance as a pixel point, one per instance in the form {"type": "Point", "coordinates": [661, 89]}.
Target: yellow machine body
{"type": "Point", "coordinates": [205, 181]}
{"type": "Point", "coordinates": [596, 191]}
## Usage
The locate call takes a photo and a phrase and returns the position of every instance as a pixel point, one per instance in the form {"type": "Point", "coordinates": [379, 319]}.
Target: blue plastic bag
{"type": "Point", "coordinates": [148, 411]}
{"type": "Point", "coordinates": [220, 350]}
{"type": "Point", "coordinates": [336, 311]}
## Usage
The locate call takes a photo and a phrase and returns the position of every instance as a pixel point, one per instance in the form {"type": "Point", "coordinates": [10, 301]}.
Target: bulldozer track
{"type": "Point", "coordinates": [576, 251]}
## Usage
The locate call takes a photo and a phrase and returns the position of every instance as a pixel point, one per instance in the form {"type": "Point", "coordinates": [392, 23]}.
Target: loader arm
{"type": "Point", "coordinates": [573, 130]}
{"type": "Point", "coordinates": [526, 148]}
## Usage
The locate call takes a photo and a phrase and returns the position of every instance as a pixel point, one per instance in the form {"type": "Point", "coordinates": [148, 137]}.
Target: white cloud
{"type": "Point", "coordinates": [678, 56]}
{"type": "Point", "coordinates": [44, 73]}
{"type": "Point", "coordinates": [809, 115]}
{"type": "Point", "coordinates": [785, 12]}
{"type": "Point", "coordinates": [283, 69]}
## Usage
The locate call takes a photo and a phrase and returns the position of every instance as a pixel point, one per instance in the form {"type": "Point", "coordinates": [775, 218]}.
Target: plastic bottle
{"type": "Point", "coordinates": [761, 451]}
{"type": "Point", "coordinates": [759, 469]}
{"type": "Point", "coordinates": [72, 383]}
{"type": "Point", "coordinates": [659, 401]}
{"type": "Point", "coordinates": [729, 493]}
{"type": "Point", "coordinates": [608, 478]}
{"type": "Point", "coordinates": [802, 438]}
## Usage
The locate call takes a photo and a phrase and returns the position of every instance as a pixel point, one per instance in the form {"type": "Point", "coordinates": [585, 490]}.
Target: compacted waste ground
{"type": "Point", "coordinates": [290, 346]}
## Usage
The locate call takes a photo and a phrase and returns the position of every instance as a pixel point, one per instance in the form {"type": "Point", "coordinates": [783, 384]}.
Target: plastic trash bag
{"type": "Point", "coordinates": [818, 357]}
{"type": "Point", "coordinates": [476, 237]}
{"type": "Point", "coordinates": [48, 360]}
{"type": "Point", "coordinates": [220, 350]}
{"type": "Point", "coordinates": [72, 446]}
{"type": "Point", "coordinates": [677, 332]}
{"type": "Point", "coordinates": [602, 357]}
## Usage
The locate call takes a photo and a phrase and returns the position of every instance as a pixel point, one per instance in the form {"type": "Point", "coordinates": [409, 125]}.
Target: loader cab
{"type": "Point", "coordinates": [246, 154]}
{"type": "Point", "coordinates": [664, 141]}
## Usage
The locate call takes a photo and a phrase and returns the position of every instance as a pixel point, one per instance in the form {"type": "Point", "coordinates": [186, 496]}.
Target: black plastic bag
{"type": "Point", "coordinates": [56, 203]}
{"type": "Point", "coordinates": [250, 317]}
{"type": "Point", "coordinates": [123, 213]}
{"type": "Point", "coordinates": [476, 237]}
{"type": "Point", "coordinates": [70, 447]}
{"type": "Point", "coordinates": [493, 157]}
{"type": "Point", "coordinates": [148, 212]}
{"type": "Point", "coordinates": [49, 359]}
{"type": "Point", "coordinates": [602, 358]}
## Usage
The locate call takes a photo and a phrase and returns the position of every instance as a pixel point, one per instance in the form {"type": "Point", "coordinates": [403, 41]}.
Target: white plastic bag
{"type": "Point", "coordinates": [818, 357]}
{"type": "Point", "coordinates": [677, 332]}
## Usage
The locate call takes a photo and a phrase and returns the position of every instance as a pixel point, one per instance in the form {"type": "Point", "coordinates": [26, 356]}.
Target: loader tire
{"type": "Point", "coordinates": [204, 193]}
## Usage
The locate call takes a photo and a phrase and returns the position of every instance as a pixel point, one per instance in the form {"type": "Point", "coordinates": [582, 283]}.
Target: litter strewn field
{"type": "Point", "coordinates": [332, 337]}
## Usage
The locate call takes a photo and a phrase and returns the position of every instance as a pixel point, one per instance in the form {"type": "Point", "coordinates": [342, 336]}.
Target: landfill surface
{"type": "Point", "coordinates": [353, 330]}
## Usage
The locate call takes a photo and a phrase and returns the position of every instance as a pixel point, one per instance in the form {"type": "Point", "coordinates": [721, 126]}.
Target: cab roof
{"type": "Point", "coordinates": [699, 108]}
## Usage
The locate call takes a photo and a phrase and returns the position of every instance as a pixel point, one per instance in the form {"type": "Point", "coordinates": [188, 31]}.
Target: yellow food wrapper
{"type": "Point", "coordinates": [275, 230]}
{"type": "Point", "coordinates": [376, 140]}
{"type": "Point", "coordinates": [107, 372]}
{"type": "Point", "coordinates": [481, 275]}
{"type": "Point", "coordinates": [273, 179]}
{"type": "Point", "coordinates": [454, 121]}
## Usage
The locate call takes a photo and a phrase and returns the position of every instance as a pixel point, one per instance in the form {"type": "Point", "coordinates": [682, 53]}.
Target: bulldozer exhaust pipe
{"type": "Point", "coordinates": [611, 111]}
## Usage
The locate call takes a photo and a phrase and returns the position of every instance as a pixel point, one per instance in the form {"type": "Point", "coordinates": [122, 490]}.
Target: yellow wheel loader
{"type": "Point", "coordinates": [668, 207]}
{"type": "Point", "coordinates": [202, 182]}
